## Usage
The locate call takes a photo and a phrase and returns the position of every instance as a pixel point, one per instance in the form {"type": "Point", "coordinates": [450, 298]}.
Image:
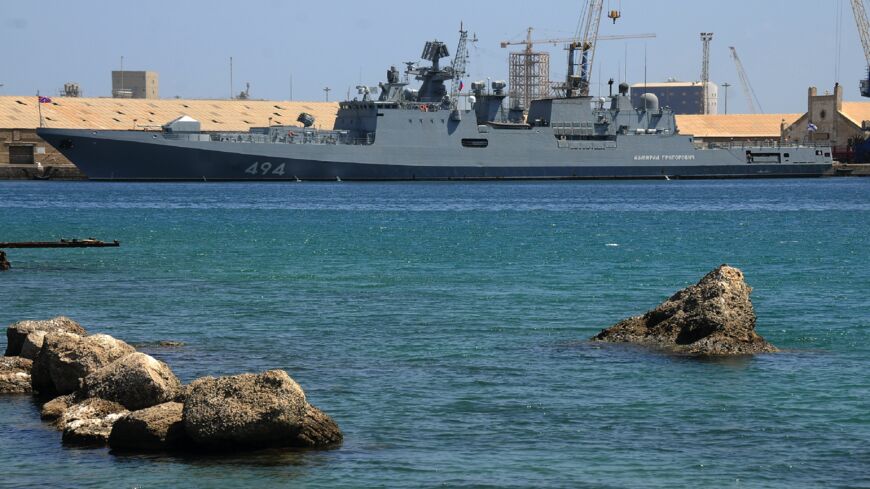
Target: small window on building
{"type": "Point", "coordinates": [21, 155]}
{"type": "Point", "coordinates": [823, 114]}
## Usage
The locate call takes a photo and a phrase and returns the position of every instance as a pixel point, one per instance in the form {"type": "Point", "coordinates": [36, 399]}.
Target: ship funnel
{"type": "Point", "coordinates": [650, 102]}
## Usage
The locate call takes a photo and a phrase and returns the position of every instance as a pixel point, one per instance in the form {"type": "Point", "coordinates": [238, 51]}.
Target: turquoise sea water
{"type": "Point", "coordinates": [443, 326]}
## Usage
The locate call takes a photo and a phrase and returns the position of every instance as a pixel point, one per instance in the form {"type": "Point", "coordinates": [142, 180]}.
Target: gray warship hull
{"type": "Point", "coordinates": [509, 154]}
{"type": "Point", "coordinates": [428, 133]}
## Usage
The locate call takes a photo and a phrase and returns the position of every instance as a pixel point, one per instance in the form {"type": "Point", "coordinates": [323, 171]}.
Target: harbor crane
{"type": "Point", "coordinates": [529, 42]}
{"type": "Point", "coordinates": [751, 99]}
{"type": "Point", "coordinates": [864, 33]}
{"type": "Point", "coordinates": [529, 70]}
{"type": "Point", "coordinates": [590, 23]}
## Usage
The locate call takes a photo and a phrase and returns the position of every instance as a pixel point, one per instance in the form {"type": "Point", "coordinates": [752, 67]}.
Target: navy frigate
{"type": "Point", "coordinates": [395, 132]}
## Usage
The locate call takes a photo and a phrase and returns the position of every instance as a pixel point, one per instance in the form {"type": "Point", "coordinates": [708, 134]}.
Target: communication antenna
{"type": "Point", "coordinates": [231, 77]}
{"type": "Point", "coordinates": [725, 86]}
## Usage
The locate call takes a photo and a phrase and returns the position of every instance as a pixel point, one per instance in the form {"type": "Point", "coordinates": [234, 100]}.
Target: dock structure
{"type": "Point", "coordinates": [63, 243]}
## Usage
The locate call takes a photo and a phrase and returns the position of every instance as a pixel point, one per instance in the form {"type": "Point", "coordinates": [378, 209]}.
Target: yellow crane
{"type": "Point", "coordinates": [529, 42]}
{"type": "Point", "coordinates": [524, 74]}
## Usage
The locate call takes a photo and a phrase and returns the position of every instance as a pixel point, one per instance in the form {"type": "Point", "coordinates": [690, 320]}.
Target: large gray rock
{"type": "Point", "coordinates": [32, 344]}
{"type": "Point", "coordinates": [66, 358]}
{"type": "Point", "coordinates": [318, 430]}
{"type": "Point", "coordinates": [136, 380]}
{"type": "Point", "coordinates": [90, 421]}
{"type": "Point", "coordinates": [154, 428]}
{"type": "Point", "coordinates": [17, 332]}
{"type": "Point", "coordinates": [713, 317]}
{"type": "Point", "coordinates": [245, 411]}
{"type": "Point", "coordinates": [15, 375]}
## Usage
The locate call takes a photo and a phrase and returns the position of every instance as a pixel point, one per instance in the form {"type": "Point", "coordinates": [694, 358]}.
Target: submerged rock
{"type": "Point", "coordinates": [15, 375]}
{"type": "Point", "coordinates": [154, 428]}
{"type": "Point", "coordinates": [713, 317]}
{"type": "Point", "coordinates": [90, 421]}
{"type": "Point", "coordinates": [17, 332]}
{"type": "Point", "coordinates": [136, 381]}
{"type": "Point", "coordinates": [245, 411]}
{"type": "Point", "coordinates": [66, 358]}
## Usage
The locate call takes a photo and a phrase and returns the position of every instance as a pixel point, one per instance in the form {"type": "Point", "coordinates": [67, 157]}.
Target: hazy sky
{"type": "Point", "coordinates": [785, 45]}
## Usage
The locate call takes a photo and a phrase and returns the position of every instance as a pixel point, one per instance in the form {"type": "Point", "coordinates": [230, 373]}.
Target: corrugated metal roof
{"type": "Point", "coordinates": [734, 125]}
{"type": "Point", "coordinates": [125, 114]}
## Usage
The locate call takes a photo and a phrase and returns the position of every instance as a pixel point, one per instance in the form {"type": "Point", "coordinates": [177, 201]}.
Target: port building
{"type": "Point", "coordinates": [135, 84]}
{"type": "Point", "coordinates": [680, 97]}
{"type": "Point", "coordinates": [845, 126]}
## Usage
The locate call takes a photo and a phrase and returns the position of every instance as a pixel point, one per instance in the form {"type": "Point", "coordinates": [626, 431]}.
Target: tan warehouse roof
{"type": "Point", "coordinates": [734, 125]}
{"type": "Point", "coordinates": [124, 114]}
{"type": "Point", "coordinates": [857, 112]}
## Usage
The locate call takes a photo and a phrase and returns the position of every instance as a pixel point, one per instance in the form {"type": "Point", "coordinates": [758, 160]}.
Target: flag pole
{"type": "Point", "coordinates": [39, 104]}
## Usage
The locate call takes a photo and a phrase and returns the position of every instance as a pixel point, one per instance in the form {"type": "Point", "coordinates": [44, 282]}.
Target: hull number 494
{"type": "Point", "coordinates": [265, 168]}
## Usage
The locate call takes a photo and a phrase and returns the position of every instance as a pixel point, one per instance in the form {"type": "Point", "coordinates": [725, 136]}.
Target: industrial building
{"type": "Point", "coordinates": [135, 84]}
{"type": "Point", "coordinates": [681, 97]}
{"type": "Point", "coordinates": [830, 120]}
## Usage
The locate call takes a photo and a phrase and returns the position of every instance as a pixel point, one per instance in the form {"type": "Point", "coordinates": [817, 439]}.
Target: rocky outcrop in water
{"type": "Point", "coordinates": [713, 317]}
{"type": "Point", "coordinates": [15, 375]}
{"type": "Point", "coordinates": [66, 358]}
{"type": "Point", "coordinates": [255, 411]}
{"type": "Point", "coordinates": [16, 333]}
{"type": "Point", "coordinates": [105, 392]}
{"type": "Point", "coordinates": [90, 421]}
{"type": "Point", "coordinates": [136, 381]}
{"type": "Point", "coordinates": [247, 410]}
{"type": "Point", "coordinates": [157, 428]}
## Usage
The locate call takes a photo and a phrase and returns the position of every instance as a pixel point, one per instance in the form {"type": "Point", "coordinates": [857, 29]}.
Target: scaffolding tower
{"type": "Point", "coordinates": [529, 77]}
